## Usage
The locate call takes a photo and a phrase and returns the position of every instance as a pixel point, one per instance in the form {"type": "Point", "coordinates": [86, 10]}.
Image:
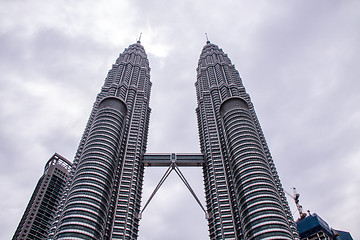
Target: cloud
{"type": "Point", "coordinates": [298, 60]}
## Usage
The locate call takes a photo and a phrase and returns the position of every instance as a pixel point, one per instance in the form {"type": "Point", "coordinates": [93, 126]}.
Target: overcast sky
{"type": "Point", "coordinates": [299, 61]}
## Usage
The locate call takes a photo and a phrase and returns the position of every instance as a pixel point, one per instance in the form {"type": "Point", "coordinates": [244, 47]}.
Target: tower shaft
{"type": "Point", "coordinates": [244, 196]}
{"type": "Point", "coordinates": [102, 199]}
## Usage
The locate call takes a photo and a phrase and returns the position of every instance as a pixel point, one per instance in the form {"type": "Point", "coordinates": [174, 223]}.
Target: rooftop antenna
{"type": "Point", "coordinates": [138, 41]}
{"type": "Point", "coordinates": [207, 39]}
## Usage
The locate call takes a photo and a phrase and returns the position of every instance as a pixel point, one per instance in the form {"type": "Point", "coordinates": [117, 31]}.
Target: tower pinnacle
{"type": "Point", "coordinates": [138, 41]}
{"type": "Point", "coordinates": [207, 39]}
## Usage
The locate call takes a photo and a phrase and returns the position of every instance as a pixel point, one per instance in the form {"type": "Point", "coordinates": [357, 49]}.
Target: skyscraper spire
{"type": "Point", "coordinates": [207, 39]}
{"type": "Point", "coordinates": [139, 40]}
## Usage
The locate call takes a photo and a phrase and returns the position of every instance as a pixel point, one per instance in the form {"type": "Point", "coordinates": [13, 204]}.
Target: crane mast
{"type": "Point", "coordinates": [296, 197]}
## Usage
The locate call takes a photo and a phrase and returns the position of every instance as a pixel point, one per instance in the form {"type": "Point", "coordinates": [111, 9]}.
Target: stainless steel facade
{"type": "Point", "coordinates": [244, 196]}
{"type": "Point", "coordinates": [102, 200]}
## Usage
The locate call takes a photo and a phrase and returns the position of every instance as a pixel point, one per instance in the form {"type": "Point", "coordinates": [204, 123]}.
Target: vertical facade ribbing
{"type": "Point", "coordinates": [102, 199]}
{"type": "Point", "coordinates": [88, 203]}
{"type": "Point", "coordinates": [244, 196]}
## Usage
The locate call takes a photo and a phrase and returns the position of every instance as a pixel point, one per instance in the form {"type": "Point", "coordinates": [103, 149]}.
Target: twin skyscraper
{"type": "Point", "coordinates": [244, 196]}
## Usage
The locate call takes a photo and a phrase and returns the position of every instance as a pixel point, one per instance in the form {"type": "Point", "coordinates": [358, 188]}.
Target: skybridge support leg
{"type": "Point", "coordinates": [162, 180]}
{"type": "Point", "coordinates": [173, 166]}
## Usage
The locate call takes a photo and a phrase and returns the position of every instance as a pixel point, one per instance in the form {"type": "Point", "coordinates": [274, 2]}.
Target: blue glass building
{"type": "Point", "coordinates": [314, 227]}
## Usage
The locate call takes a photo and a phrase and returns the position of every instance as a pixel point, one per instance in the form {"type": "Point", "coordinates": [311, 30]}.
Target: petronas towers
{"type": "Point", "coordinates": [104, 192]}
{"type": "Point", "coordinates": [244, 196]}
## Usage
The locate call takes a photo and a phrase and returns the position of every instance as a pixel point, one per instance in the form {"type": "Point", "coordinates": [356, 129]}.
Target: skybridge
{"type": "Point", "coordinates": [173, 161]}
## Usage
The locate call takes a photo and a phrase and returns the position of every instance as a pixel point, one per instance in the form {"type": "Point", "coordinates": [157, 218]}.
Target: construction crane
{"type": "Point", "coordinates": [296, 197]}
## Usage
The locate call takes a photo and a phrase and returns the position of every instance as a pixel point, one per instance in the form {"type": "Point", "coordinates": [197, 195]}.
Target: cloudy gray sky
{"type": "Point", "coordinates": [299, 61]}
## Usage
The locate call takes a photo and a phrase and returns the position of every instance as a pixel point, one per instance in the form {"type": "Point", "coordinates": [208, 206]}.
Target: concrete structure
{"type": "Point", "coordinates": [41, 209]}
